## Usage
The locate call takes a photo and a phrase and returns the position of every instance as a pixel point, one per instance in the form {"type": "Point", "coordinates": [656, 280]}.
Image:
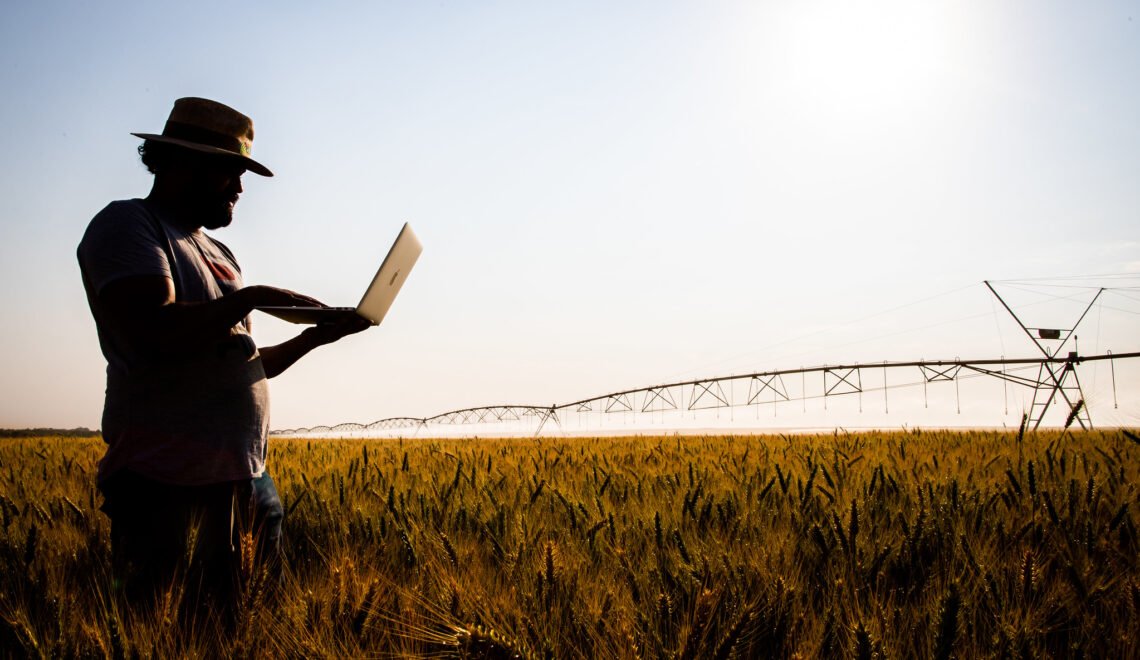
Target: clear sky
{"type": "Point", "coordinates": [610, 194]}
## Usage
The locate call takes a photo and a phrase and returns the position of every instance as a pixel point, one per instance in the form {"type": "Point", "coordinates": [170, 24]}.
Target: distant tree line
{"type": "Point", "coordinates": [78, 432]}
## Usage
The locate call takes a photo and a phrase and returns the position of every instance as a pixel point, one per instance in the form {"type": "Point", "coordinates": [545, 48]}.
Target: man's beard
{"type": "Point", "coordinates": [221, 220]}
{"type": "Point", "coordinates": [215, 216]}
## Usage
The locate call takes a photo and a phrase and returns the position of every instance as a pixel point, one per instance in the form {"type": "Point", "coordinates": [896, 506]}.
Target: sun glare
{"type": "Point", "coordinates": [865, 58]}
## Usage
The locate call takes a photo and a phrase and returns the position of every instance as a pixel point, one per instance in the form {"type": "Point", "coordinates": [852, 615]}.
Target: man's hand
{"type": "Point", "coordinates": [277, 359]}
{"type": "Point", "coordinates": [269, 296]}
{"type": "Point", "coordinates": [327, 333]}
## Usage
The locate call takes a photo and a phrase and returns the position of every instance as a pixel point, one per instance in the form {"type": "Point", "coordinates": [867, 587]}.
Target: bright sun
{"type": "Point", "coordinates": [865, 57]}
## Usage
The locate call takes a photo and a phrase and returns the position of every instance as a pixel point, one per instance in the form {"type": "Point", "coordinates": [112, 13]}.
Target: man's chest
{"type": "Point", "coordinates": [204, 271]}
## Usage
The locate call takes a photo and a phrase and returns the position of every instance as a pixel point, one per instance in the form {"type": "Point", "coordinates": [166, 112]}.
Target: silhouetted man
{"type": "Point", "coordinates": [186, 413]}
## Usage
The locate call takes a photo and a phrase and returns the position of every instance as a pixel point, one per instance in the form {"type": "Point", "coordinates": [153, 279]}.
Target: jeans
{"type": "Point", "coordinates": [164, 536]}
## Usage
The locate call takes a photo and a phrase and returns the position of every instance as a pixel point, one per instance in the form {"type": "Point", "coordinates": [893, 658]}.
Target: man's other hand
{"type": "Point", "coordinates": [327, 333]}
{"type": "Point", "coordinates": [270, 296]}
{"type": "Point", "coordinates": [278, 358]}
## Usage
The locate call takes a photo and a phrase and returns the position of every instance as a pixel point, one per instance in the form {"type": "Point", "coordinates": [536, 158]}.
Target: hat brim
{"type": "Point", "coordinates": [249, 163]}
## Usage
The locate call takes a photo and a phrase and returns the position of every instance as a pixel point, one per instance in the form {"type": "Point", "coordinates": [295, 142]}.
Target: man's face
{"type": "Point", "coordinates": [214, 185]}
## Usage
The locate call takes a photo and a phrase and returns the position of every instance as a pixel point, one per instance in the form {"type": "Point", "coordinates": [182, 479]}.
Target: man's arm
{"type": "Point", "coordinates": [142, 310]}
{"type": "Point", "coordinates": [276, 359]}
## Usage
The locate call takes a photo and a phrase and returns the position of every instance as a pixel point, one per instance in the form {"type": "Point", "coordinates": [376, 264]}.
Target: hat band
{"type": "Point", "coordinates": [191, 133]}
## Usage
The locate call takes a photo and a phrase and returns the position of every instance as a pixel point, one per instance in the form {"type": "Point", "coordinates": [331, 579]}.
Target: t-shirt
{"type": "Point", "coordinates": [196, 417]}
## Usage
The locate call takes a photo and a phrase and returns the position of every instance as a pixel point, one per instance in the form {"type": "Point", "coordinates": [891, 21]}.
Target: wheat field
{"type": "Point", "coordinates": [889, 545]}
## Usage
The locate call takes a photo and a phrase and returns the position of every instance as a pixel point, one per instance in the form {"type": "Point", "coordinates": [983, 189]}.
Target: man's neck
{"type": "Point", "coordinates": [173, 207]}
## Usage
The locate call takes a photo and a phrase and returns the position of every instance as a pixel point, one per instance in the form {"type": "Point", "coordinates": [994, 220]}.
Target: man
{"type": "Point", "coordinates": [186, 413]}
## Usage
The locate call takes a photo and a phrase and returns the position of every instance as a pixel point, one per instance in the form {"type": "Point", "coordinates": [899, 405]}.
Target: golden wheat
{"type": "Point", "coordinates": [906, 544]}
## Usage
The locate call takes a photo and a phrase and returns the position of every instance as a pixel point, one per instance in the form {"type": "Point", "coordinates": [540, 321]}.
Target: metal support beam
{"type": "Point", "coordinates": [618, 403]}
{"type": "Point", "coordinates": [940, 372]}
{"type": "Point", "coordinates": [657, 399]}
{"type": "Point", "coordinates": [708, 394]}
{"type": "Point", "coordinates": [844, 380]}
{"type": "Point", "coordinates": [774, 382]}
{"type": "Point", "coordinates": [1062, 378]}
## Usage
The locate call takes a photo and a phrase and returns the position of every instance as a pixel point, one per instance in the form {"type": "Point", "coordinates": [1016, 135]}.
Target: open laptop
{"type": "Point", "coordinates": [380, 294]}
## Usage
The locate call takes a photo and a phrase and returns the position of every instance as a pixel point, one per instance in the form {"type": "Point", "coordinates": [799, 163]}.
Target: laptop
{"type": "Point", "coordinates": [380, 294]}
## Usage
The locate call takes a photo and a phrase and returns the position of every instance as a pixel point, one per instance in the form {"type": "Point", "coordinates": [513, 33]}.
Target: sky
{"type": "Point", "coordinates": [610, 195]}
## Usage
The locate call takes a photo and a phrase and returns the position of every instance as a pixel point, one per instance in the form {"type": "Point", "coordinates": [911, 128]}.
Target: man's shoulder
{"type": "Point", "coordinates": [122, 240]}
{"type": "Point", "coordinates": [122, 208]}
{"type": "Point", "coordinates": [122, 225]}
{"type": "Point", "coordinates": [118, 216]}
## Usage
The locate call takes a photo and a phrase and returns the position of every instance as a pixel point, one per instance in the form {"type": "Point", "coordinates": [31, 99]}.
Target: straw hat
{"type": "Point", "coordinates": [210, 127]}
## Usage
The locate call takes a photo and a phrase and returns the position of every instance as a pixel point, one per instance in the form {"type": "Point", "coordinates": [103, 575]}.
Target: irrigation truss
{"type": "Point", "coordinates": [1052, 376]}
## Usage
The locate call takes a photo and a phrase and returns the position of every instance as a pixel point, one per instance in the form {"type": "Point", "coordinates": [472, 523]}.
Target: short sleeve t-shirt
{"type": "Point", "coordinates": [196, 417]}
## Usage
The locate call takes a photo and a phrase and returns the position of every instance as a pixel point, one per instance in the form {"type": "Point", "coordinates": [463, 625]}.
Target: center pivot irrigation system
{"type": "Point", "coordinates": [1056, 383]}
